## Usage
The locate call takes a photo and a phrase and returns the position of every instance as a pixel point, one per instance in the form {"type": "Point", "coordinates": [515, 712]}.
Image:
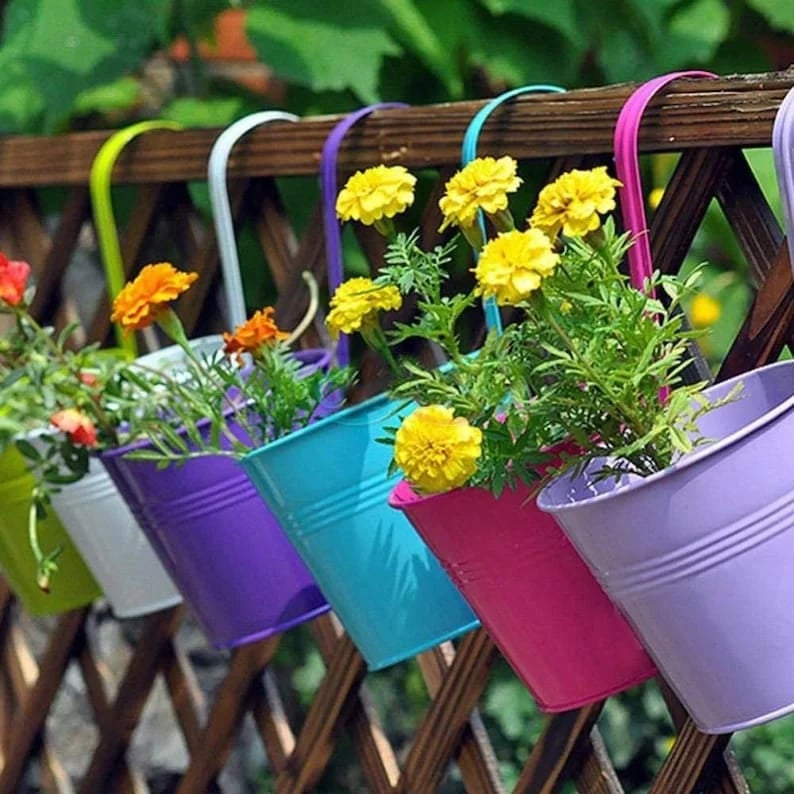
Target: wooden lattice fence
{"type": "Point", "coordinates": [710, 123]}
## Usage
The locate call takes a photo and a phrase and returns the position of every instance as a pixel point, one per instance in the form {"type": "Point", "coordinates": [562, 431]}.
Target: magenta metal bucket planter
{"type": "Point", "coordinates": [698, 555]}
{"type": "Point", "coordinates": [533, 593]}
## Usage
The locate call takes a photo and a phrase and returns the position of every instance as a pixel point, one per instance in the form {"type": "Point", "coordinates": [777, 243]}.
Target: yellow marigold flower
{"type": "Point", "coordinates": [436, 450]}
{"type": "Point", "coordinates": [374, 194]}
{"type": "Point", "coordinates": [258, 330]}
{"type": "Point", "coordinates": [573, 203]}
{"type": "Point", "coordinates": [513, 264]}
{"type": "Point", "coordinates": [483, 184]}
{"type": "Point", "coordinates": [704, 310]}
{"type": "Point", "coordinates": [356, 303]}
{"type": "Point", "coordinates": [140, 302]}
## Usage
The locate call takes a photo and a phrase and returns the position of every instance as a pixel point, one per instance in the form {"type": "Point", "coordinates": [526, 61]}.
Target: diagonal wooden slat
{"type": "Point", "coordinates": [27, 227]}
{"type": "Point", "coordinates": [597, 775]}
{"type": "Point", "coordinates": [186, 697]}
{"type": "Point", "coordinates": [474, 754]}
{"type": "Point", "coordinates": [95, 683]}
{"type": "Point", "coordinates": [22, 671]}
{"type": "Point", "coordinates": [768, 326]}
{"type": "Point", "coordinates": [694, 756]}
{"type": "Point", "coordinates": [686, 198]}
{"type": "Point", "coordinates": [231, 703]}
{"type": "Point", "coordinates": [63, 242]}
{"type": "Point", "coordinates": [40, 696]}
{"type": "Point", "coordinates": [279, 242]}
{"type": "Point", "coordinates": [727, 778]}
{"type": "Point", "coordinates": [446, 721]}
{"type": "Point", "coordinates": [549, 763]}
{"type": "Point", "coordinates": [749, 215]}
{"type": "Point", "coordinates": [131, 697]}
{"type": "Point", "coordinates": [271, 721]}
{"type": "Point", "coordinates": [376, 755]}
{"type": "Point", "coordinates": [331, 704]}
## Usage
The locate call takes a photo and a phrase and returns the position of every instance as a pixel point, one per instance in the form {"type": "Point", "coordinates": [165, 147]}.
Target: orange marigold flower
{"type": "Point", "coordinates": [13, 280]}
{"type": "Point", "coordinates": [142, 300]}
{"type": "Point", "coordinates": [77, 426]}
{"type": "Point", "coordinates": [253, 334]}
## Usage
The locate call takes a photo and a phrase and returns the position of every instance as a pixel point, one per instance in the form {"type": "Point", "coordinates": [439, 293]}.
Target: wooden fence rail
{"type": "Point", "coordinates": [711, 122]}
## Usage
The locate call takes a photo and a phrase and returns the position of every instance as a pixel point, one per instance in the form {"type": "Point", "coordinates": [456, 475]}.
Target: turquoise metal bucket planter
{"type": "Point", "coordinates": [328, 487]}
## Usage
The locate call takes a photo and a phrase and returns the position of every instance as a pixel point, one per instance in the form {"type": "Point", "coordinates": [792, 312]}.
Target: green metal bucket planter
{"type": "Point", "coordinates": [73, 586]}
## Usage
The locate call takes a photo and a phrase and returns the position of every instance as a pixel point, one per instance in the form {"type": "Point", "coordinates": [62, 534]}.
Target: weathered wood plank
{"type": "Point", "coordinates": [694, 755]}
{"type": "Point", "coordinates": [597, 775]}
{"type": "Point", "coordinates": [749, 215]}
{"type": "Point", "coordinates": [769, 324]}
{"type": "Point", "coordinates": [75, 211]}
{"type": "Point", "coordinates": [186, 698]}
{"type": "Point", "coordinates": [736, 111]}
{"type": "Point", "coordinates": [271, 721]}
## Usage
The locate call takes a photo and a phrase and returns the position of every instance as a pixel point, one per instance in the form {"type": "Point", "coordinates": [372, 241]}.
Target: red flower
{"type": "Point", "coordinates": [88, 378]}
{"type": "Point", "coordinates": [13, 280]}
{"type": "Point", "coordinates": [76, 425]}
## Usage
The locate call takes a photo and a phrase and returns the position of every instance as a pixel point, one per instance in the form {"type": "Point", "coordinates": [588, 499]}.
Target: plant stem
{"type": "Point", "coordinates": [593, 376]}
{"type": "Point", "coordinates": [314, 304]}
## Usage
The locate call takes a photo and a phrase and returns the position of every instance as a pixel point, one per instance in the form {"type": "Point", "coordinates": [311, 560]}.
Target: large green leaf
{"type": "Point", "coordinates": [64, 47]}
{"type": "Point", "coordinates": [639, 40]}
{"type": "Point", "coordinates": [779, 13]}
{"type": "Point", "coordinates": [696, 31]}
{"type": "Point", "coordinates": [412, 30]}
{"type": "Point", "coordinates": [559, 15]}
{"type": "Point", "coordinates": [516, 54]}
{"type": "Point", "coordinates": [212, 112]}
{"type": "Point", "coordinates": [322, 47]}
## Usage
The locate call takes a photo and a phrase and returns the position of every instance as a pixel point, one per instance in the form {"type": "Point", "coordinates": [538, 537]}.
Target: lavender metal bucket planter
{"type": "Point", "coordinates": [222, 546]}
{"type": "Point", "coordinates": [697, 555]}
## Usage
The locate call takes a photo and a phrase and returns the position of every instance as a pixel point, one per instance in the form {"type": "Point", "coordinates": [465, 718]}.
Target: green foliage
{"type": "Point", "coordinates": [776, 12]}
{"type": "Point", "coordinates": [302, 39]}
{"type": "Point", "coordinates": [63, 59]}
{"type": "Point", "coordinates": [76, 62]}
{"type": "Point", "coordinates": [55, 50]}
{"type": "Point", "coordinates": [586, 361]}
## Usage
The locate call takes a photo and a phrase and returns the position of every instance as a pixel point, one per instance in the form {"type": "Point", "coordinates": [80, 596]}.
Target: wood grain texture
{"type": "Point", "coordinates": [736, 111]}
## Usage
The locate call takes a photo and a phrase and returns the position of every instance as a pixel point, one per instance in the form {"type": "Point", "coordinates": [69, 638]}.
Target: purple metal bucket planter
{"type": "Point", "coordinates": [697, 555]}
{"type": "Point", "coordinates": [539, 602]}
{"type": "Point", "coordinates": [222, 546]}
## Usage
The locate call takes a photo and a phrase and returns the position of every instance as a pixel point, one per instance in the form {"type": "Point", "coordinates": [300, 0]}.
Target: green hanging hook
{"type": "Point", "coordinates": [102, 206]}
